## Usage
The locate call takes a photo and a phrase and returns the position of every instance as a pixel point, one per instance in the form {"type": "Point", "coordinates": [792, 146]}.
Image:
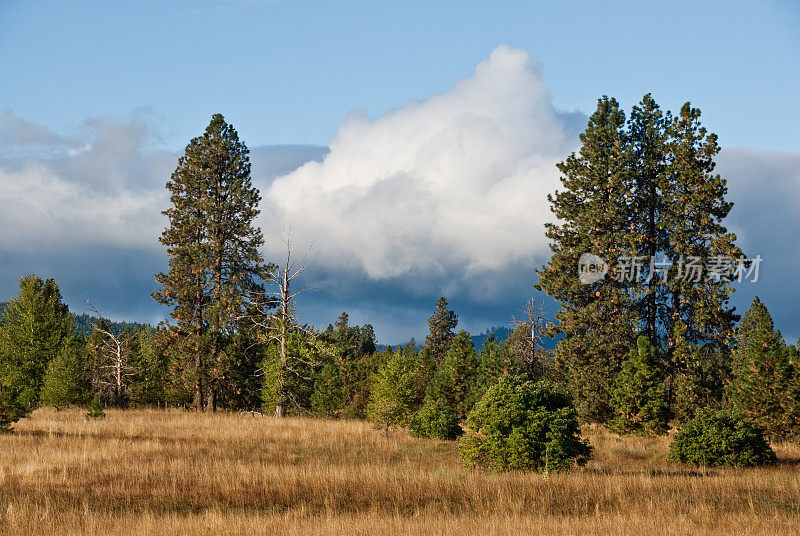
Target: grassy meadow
{"type": "Point", "coordinates": [174, 472]}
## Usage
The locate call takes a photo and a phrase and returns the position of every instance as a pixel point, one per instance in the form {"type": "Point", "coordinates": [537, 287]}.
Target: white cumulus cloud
{"type": "Point", "coordinates": [96, 188]}
{"type": "Point", "coordinates": [452, 186]}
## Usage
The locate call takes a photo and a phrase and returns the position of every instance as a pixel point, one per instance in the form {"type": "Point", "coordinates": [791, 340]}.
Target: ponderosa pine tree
{"type": "Point", "coordinates": [765, 384]}
{"type": "Point", "coordinates": [648, 137]}
{"type": "Point", "coordinates": [693, 209]}
{"type": "Point", "coordinates": [35, 326]}
{"type": "Point", "coordinates": [213, 248]}
{"type": "Point", "coordinates": [645, 195]}
{"type": "Point", "coordinates": [678, 206]}
{"type": "Point", "coordinates": [441, 325]}
{"type": "Point", "coordinates": [597, 319]}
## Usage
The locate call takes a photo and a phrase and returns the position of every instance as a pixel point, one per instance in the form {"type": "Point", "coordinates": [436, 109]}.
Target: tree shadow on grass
{"type": "Point", "coordinates": [653, 472]}
{"type": "Point", "coordinates": [46, 434]}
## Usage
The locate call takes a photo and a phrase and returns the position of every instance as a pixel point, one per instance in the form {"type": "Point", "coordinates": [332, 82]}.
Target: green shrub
{"type": "Point", "coordinates": [435, 419]}
{"type": "Point", "coordinates": [96, 409]}
{"type": "Point", "coordinates": [719, 438]}
{"type": "Point", "coordinates": [524, 425]}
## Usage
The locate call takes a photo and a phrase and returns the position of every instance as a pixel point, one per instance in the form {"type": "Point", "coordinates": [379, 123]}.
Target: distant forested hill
{"type": "Point", "coordinates": [501, 333]}
{"type": "Point", "coordinates": [84, 323]}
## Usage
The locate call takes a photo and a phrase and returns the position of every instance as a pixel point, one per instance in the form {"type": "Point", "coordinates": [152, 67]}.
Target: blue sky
{"type": "Point", "coordinates": [416, 100]}
{"type": "Point", "coordinates": [289, 71]}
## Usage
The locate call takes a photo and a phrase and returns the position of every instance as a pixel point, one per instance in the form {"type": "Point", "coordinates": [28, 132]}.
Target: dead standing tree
{"type": "Point", "coordinates": [111, 364]}
{"type": "Point", "coordinates": [527, 338]}
{"type": "Point", "coordinates": [279, 326]}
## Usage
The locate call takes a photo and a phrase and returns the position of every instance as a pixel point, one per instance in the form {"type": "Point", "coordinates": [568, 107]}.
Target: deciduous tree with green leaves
{"type": "Point", "coordinates": [398, 389]}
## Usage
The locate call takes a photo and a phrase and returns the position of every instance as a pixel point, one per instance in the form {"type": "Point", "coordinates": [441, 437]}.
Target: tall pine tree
{"type": "Point", "coordinates": [214, 262]}
{"type": "Point", "coordinates": [694, 206]}
{"type": "Point", "coordinates": [646, 199]}
{"type": "Point", "coordinates": [441, 325]}
{"type": "Point", "coordinates": [597, 320]}
{"type": "Point", "coordinates": [647, 138]}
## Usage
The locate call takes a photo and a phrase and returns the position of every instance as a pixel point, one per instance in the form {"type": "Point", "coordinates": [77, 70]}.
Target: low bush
{"type": "Point", "coordinates": [721, 438]}
{"type": "Point", "coordinates": [524, 425]}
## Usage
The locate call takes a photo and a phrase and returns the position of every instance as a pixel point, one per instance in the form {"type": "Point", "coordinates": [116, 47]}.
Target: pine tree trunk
{"type": "Point", "coordinates": [651, 298]}
{"type": "Point", "coordinates": [211, 405]}
{"type": "Point", "coordinates": [198, 357]}
{"type": "Point", "coordinates": [669, 372]}
{"type": "Point", "coordinates": [198, 383]}
{"type": "Point", "coordinates": [198, 394]}
{"type": "Point", "coordinates": [216, 329]}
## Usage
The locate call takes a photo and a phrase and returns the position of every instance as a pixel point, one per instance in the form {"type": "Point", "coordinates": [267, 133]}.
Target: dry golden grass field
{"type": "Point", "coordinates": [173, 472]}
